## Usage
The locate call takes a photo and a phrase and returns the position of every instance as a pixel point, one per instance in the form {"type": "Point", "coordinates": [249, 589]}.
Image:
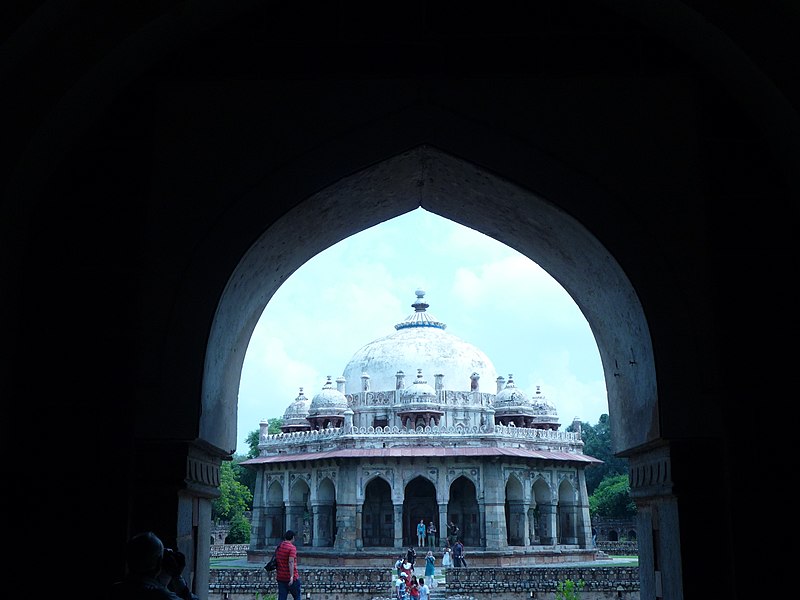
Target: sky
{"type": "Point", "coordinates": [356, 291]}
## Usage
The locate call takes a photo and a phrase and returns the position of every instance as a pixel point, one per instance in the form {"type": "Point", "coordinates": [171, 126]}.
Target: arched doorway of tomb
{"type": "Point", "coordinates": [515, 512]}
{"type": "Point", "coordinates": [377, 515]}
{"type": "Point", "coordinates": [275, 515]}
{"type": "Point", "coordinates": [419, 502]}
{"type": "Point", "coordinates": [324, 516]}
{"type": "Point", "coordinates": [462, 509]}
{"type": "Point", "coordinates": [298, 509]}
{"type": "Point", "coordinates": [567, 513]}
{"type": "Point", "coordinates": [540, 513]}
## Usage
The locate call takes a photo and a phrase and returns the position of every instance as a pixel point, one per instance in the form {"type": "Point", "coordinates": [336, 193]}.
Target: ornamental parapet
{"type": "Point", "coordinates": [395, 397]}
{"type": "Point", "coordinates": [323, 438]}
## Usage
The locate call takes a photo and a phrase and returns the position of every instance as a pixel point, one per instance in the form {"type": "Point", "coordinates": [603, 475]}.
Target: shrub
{"type": "Point", "coordinates": [569, 590]}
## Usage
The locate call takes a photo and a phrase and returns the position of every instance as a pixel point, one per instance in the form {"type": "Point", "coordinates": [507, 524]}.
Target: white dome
{"type": "Point", "coordinates": [511, 399]}
{"type": "Point", "coordinates": [419, 391]}
{"type": "Point", "coordinates": [328, 402]}
{"type": "Point", "coordinates": [420, 342]}
{"type": "Point", "coordinates": [297, 411]}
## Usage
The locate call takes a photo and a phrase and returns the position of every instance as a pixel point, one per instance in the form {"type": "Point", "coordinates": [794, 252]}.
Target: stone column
{"type": "Point", "coordinates": [317, 527]}
{"type": "Point", "coordinates": [258, 524]}
{"type": "Point", "coordinates": [583, 522]}
{"type": "Point", "coordinates": [398, 525]}
{"type": "Point", "coordinates": [496, 535]}
{"type": "Point", "coordinates": [657, 524]}
{"type": "Point", "coordinates": [526, 539]}
{"type": "Point", "coordinates": [345, 539]}
{"type": "Point", "coordinates": [360, 526]}
{"type": "Point", "coordinates": [442, 522]}
{"type": "Point", "coordinates": [294, 519]}
{"type": "Point", "coordinates": [547, 535]}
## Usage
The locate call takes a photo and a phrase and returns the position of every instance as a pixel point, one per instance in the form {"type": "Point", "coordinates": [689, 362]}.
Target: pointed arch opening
{"type": "Point", "coordinates": [377, 514]}
{"type": "Point", "coordinates": [419, 504]}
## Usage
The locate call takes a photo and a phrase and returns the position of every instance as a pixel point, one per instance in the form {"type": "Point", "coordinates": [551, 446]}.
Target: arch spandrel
{"type": "Point", "coordinates": [462, 192]}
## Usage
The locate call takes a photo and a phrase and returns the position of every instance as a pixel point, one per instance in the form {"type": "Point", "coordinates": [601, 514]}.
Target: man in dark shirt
{"type": "Point", "coordinates": [286, 574]}
{"type": "Point", "coordinates": [458, 555]}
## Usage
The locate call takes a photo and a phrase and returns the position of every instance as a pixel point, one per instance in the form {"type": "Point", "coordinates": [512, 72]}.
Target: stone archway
{"type": "Point", "coordinates": [377, 515]}
{"type": "Point", "coordinates": [464, 193]}
{"type": "Point", "coordinates": [463, 511]}
{"type": "Point", "coordinates": [457, 190]}
{"type": "Point", "coordinates": [419, 502]}
{"type": "Point", "coordinates": [516, 520]}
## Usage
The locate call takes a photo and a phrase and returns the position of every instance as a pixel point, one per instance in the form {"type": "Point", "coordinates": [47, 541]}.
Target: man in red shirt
{"type": "Point", "coordinates": [286, 573]}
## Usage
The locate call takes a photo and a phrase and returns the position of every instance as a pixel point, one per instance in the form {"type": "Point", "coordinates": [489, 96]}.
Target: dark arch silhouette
{"type": "Point", "coordinates": [463, 511]}
{"type": "Point", "coordinates": [419, 503]}
{"type": "Point", "coordinates": [377, 520]}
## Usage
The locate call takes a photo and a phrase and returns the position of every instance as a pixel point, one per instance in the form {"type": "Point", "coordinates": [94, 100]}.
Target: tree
{"type": "Point", "coordinates": [612, 498]}
{"type": "Point", "coordinates": [234, 498]}
{"type": "Point", "coordinates": [240, 530]}
{"type": "Point", "coordinates": [597, 443]}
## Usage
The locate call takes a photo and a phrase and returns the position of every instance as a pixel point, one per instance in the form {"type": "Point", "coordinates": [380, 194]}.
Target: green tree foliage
{"type": "Point", "coordinates": [244, 475]}
{"type": "Point", "coordinates": [240, 530]}
{"type": "Point", "coordinates": [235, 498]}
{"type": "Point", "coordinates": [612, 498]}
{"type": "Point", "coordinates": [597, 443]}
{"type": "Point", "coordinates": [252, 443]}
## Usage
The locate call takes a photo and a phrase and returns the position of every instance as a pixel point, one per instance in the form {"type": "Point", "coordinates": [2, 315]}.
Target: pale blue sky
{"type": "Point", "coordinates": [357, 290]}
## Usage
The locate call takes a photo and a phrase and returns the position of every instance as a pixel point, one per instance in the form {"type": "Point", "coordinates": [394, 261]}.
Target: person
{"type": "Point", "coordinates": [452, 533]}
{"type": "Point", "coordinates": [413, 588]}
{"type": "Point", "coordinates": [148, 577]}
{"type": "Point", "coordinates": [430, 564]}
{"type": "Point", "coordinates": [431, 535]}
{"type": "Point", "coordinates": [407, 571]}
{"type": "Point", "coordinates": [594, 537]}
{"type": "Point", "coordinates": [458, 555]}
{"type": "Point", "coordinates": [421, 533]}
{"type": "Point", "coordinates": [286, 574]}
{"type": "Point", "coordinates": [447, 558]}
{"type": "Point", "coordinates": [173, 564]}
{"type": "Point", "coordinates": [400, 586]}
{"type": "Point", "coordinates": [424, 590]}
{"type": "Point", "coordinates": [411, 556]}
{"type": "Point", "coordinates": [399, 565]}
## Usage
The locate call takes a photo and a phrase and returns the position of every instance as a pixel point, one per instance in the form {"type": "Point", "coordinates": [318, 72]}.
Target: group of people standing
{"type": "Point", "coordinates": [424, 532]}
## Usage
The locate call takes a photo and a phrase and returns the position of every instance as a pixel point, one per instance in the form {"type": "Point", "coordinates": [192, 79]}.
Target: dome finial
{"type": "Point", "coordinates": [420, 318]}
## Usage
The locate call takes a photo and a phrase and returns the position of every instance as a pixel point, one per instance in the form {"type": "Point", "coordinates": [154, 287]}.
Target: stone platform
{"type": "Point", "coordinates": [475, 557]}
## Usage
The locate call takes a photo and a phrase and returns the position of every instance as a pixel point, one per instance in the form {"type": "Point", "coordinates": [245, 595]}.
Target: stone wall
{"type": "Point", "coordinates": [497, 583]}
{"type": "Point", "coordinates": [219, 550]}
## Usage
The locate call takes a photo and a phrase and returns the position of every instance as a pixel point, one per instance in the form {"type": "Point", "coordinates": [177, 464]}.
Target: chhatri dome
{"type": "Point", "coordinates": [419, 342]}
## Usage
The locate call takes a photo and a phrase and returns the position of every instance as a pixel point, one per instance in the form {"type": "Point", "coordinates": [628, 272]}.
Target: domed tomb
{"type": "Point", "coordinates": [420, 341]}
